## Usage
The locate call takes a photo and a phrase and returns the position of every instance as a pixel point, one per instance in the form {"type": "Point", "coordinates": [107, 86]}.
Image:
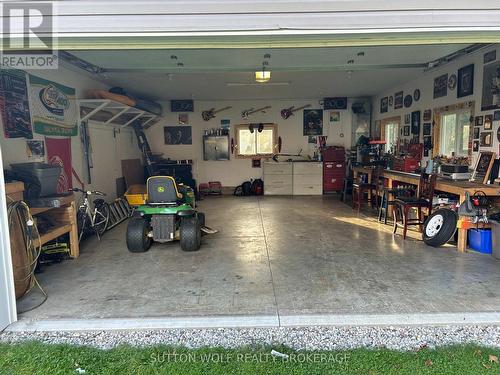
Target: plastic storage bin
{"type": "Point", "coordinates": [480, 240]}
{"type": "Point", "coordinates": [42, 174]}
{"type": "Point", "coordinates": [495, 238]}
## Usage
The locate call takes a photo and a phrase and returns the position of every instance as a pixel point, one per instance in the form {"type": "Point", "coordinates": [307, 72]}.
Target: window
{"type": "Point", "coordinates": [255, 143]}
{"type": "Point", "coordinates": [391, 135]}
{"type": "Point", "coordinates": [454, 137]}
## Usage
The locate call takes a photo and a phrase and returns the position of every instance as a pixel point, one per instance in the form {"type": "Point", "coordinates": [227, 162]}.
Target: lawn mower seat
{"type": "Point", "coordinates": [162, 190]}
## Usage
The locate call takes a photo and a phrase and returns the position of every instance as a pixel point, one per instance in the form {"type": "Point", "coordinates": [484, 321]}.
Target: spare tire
{"type": "Point", "coordinates": [440, 227]}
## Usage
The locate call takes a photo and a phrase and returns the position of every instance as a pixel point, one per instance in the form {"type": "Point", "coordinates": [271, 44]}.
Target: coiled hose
{"type": "Point", "coordinates": [30, 232]}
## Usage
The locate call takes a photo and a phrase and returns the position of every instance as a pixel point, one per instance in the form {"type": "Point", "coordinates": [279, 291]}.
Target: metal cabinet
{"type": "Point", "coordinates": [215, 147]}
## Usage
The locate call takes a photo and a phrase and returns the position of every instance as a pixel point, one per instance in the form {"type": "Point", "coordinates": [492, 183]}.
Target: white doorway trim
{"type": "Point", "coordinates": [8, 313]}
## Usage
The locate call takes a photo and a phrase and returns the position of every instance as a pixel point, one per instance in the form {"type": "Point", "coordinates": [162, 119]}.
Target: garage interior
{"type": "Point", "coordinates": [310, 241]}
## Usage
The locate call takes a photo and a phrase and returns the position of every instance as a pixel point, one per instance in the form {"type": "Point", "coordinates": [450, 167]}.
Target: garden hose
{"type": "Point", "coordinates": [30, 232]}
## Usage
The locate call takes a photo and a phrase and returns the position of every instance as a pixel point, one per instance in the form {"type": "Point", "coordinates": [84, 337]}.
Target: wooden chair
{"type": "Point", "coordinates": [423, 199]}
{"type": "Point", "coordinates": [360, 188]}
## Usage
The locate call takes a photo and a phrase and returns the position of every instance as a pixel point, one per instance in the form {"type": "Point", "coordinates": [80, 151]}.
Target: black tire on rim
{"type": "Point", "coordinates": [81, 222]}
{"type": "Point", "coordinates": [138, 240]}
{"type": "Point", "coordinates": [190, 233]}
{"type": "Point", "coordinates": [439, 227]}
{"type": "Point", "coordinates": [101, 218]}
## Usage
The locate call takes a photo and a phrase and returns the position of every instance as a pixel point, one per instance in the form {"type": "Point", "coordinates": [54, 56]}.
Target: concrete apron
{"type": "Point", "coordinates": [256, 321]}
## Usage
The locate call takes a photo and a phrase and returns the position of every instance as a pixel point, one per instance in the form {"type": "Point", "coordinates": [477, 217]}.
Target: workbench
{"type": "Point", "coordinates": [444, 185]}
{"type": "Point", "coordinates": [64, 217]}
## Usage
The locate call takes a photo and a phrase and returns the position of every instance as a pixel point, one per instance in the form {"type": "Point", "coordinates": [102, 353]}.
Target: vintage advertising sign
{"type": "Point", "coordinates": [14, 104]}
{"type": "Point", "coordinates": [54, 108]}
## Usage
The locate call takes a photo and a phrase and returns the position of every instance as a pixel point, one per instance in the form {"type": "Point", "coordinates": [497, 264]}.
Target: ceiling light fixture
{"type": "Point", "coordinates": [262, 76]}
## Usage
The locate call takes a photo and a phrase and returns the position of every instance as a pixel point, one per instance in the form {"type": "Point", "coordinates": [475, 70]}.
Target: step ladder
{"type": "Point", "coordinates": [119, 211]}
{"type": "Point", "coordinates": [143, 143]}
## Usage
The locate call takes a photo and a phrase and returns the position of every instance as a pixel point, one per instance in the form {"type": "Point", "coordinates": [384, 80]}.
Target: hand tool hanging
{"type": "Point", "coordinates": [87, 150]}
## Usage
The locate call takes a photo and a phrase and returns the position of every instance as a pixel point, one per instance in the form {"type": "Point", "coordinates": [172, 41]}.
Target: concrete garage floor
{"type": "Point", "coordinates": [274, 256]}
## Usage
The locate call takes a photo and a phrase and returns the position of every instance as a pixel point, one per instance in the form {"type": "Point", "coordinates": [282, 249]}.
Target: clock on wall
{"type": "Point", "coordinates": [408, 101]}
{"type": "Point", "coordinates": [416, 95]}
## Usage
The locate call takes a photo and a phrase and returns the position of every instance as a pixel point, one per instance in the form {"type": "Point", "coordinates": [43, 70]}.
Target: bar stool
{"type": "Point", "coordinates": [423, 199]}
{"type": "Point", "coordinates": [360, 188]}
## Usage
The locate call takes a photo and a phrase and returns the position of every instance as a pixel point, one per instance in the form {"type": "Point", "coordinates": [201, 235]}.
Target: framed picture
{"type": "Point", "coordinates": [488, 121]}
{"type": "Point", "coordinates": [490, 56]}
{"type": "Point", "coordinates": [496, 116]}
{"type": "Point", "coordinates": [415, 122]}
{"type": "Point", "coordinates": [35, 149]}
{"type": "Point", "coordinates": [427, 115]}
{"type": "Point", "coordinates": [183, 118]}
{"type": "Point", "coordinates": [334, 116]}
{"type": "Point", "coordinates": [491, 87]}
{"type": "Point", "coordinates": [406, 131]}
{"type": "Point", "coordinates": [427, 128]}
{"type": "Point", "coordinates": [177, 135]}
{"type": "Point", "coordinates": [475, 146]}
{"type": "Point", "coordinates": [312, 139]}
{"type": "Point", "coordinates": [482, 167]}
{"type": "Point", "coordinates": [184, 105]}
{"type": "Point", "coordinates": [407, 118]}
{"type": "Point", "coordinates": [486, 139]}
{"type": "Point", "coordinates": [313, 121]}
{"type": "Point", "coordinates": [256, 163]}
{"type": "Point", "coordinates": [465, 84]}
{"type": "Point", "coordinates": [376, 130]}
{"type": "Point", "coordinates": [441, 86]}
{"type": "Point", "coordinates": [476, 132]}
{"type": "Point", "coordinates": [479, 120]}
{"type": "Point", "coordinates": [384, 104]}
{"type": "Point", "coordinates": [427, 142]}
{"type": "Point", "coordinates": [398, 100]}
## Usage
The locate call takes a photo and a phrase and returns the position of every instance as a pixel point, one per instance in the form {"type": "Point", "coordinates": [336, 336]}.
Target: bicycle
{"type": "Point", "coordinates": [91, 214]}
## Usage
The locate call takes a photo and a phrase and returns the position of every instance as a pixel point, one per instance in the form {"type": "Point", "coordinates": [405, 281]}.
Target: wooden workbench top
{"type": "Point", "coordinates": [442, 184]}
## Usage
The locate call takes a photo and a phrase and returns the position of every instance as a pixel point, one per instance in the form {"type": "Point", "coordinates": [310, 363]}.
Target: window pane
{"type": "Point", "coordinates": [247, 142]}
{"type": "Point", "coordinates": [391, 135]}
{"type": "Point", "coordinates": [448, 134]}
{"type": "Point", "coordinates": [464, 131]}
{"type": "Point", "coordinates": [265, 142]}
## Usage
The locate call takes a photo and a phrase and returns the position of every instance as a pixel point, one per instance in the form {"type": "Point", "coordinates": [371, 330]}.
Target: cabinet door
{"type": "Point", "coordinates": [222, 147]}
{"type": "Point", "coordinates": [215, 148]}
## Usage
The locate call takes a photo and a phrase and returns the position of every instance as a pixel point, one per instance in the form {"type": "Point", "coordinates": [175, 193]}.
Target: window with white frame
{"type": "Point", "coordinates": [255, 139]}
{"type": "Point", "coordinates": [455, 130]}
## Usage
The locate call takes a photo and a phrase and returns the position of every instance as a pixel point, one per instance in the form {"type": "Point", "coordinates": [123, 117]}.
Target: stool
{"type": "Point", "coordinates": [359, 188]}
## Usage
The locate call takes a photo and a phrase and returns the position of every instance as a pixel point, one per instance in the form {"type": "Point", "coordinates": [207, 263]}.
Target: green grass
{"type": "Point", "coordinates": [37, 358]}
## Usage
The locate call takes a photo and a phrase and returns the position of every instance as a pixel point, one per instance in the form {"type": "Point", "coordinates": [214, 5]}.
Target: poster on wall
{"type": "Point", "coordinates": [384, 104]}
{"type": "Point", "coordinates": [14, 104]}
{"type": "Point", "coordinates": [59, 153]}
{"type": "Point", "coordinates": [54, 108]}
{"type": "Point", "coordinates": [441, 86]}
{"type": "Point", "coordinates": [334, 116]}
{"type": "Point", "coordinates": [35, 149]}
{"type": "Point", "coordinates": [177, 135]}
{"type": "Point", "coordinates": [398, 100]}
{"type": "Point", "coordinates": [313, 121]}
{"type": "Point", "coordinates": [465, 81]}
{"type": "Point", "coordinates": [415, 123]}
{"type": "Point", "coordinates": [491, 87]}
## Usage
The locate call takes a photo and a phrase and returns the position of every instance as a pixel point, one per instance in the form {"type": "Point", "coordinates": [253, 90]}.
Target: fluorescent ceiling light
{"type": "Point", "coordinates": [230, 84]}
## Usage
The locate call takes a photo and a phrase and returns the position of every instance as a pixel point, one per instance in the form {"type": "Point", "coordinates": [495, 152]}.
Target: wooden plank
{"type": "Point", "coordinates": [53, 234]}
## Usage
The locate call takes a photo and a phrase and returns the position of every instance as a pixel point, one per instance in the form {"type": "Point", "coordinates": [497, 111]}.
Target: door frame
{"type": "Point", "coordinates": [8, 312]}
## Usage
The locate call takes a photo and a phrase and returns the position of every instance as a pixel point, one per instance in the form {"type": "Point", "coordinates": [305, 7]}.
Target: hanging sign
{"type": "Point", "coordinates": [53, 106]}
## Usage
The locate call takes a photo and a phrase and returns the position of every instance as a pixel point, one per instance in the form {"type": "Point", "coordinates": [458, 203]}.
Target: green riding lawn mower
{"type": "Point", "coordinates": [167, 213]}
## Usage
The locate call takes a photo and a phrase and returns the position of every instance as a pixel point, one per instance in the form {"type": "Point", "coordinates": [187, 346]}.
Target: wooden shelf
{"type": "Point", "coordinates": [53, 234]}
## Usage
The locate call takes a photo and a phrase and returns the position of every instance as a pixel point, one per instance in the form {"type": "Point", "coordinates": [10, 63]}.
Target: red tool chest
{"type": "Point", "coordinates": [333, 176]}
{"type": "Point", "coordinates": [333, 169]}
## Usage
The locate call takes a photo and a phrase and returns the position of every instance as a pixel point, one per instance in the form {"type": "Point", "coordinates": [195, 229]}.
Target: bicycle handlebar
{"type": "Point", "coordinates": [88, 192]}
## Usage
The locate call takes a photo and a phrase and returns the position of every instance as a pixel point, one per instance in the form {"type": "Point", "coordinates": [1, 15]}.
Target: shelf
{"type": "Point", "coordinates": [53, 234]}
{"type": "Point", "coordinates": [109, 112]}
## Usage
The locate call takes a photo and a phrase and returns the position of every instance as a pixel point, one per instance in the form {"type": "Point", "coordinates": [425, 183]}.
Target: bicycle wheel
{"type": "Point", "coordinates": [81, 222]}
{"type": "Point", "coordinates": [101, 218]}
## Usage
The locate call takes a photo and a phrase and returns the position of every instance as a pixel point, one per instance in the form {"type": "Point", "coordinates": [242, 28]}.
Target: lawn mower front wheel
{"type": "Point", "coordinates": [190, 233]}
{"type": "Point", "coordinates": [138, 240]}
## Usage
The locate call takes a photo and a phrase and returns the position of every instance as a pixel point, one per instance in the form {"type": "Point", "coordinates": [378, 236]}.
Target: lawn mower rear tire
{"type": "Point", "coordinates": [190, 233]}
{"type": "Point", "coordinates": [138, 240]}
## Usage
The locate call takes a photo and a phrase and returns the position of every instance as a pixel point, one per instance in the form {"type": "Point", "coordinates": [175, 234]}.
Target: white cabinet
{"type": "Point", "coordinates": [278, 178]}
{"type": "Point", "coordinates": [308, 178]}
{"type": "Point", "coordinates": [299, 178]}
